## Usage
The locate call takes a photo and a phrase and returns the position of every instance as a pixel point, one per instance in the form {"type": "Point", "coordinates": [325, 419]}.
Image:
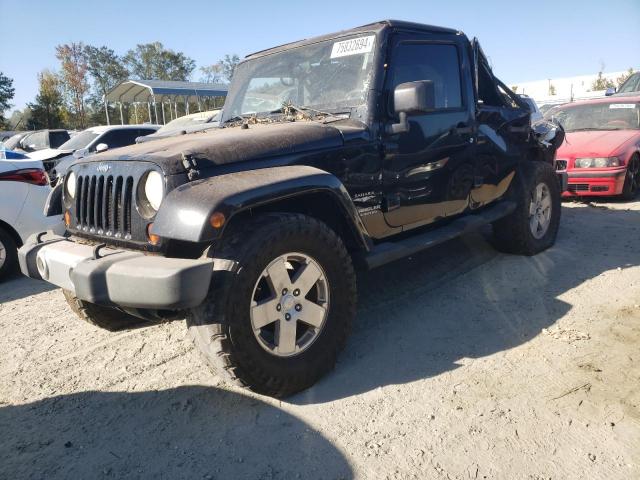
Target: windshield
{"type": "Point", "coordinates": [190, 120]}
{"type": "Point", "coordinates": [597, 116]}
{"type": "Point", "coordinates": [81, 140]}
{"type": "Point", "coordinates": [632, 84]}
{"type": "Point", "coordinates": [332, 76]}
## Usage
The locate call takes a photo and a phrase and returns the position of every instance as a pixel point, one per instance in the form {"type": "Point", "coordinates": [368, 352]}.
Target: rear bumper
{"type": "Point", "coordinates": [604, 182]}
{"type": "Point", "coordinates": [116, 277]}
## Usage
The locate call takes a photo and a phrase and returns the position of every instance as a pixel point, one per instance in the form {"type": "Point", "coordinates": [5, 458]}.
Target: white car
{"type": "Point", "coordinates": [94, 139]}
{"type": "Point", "coordinates": [24, 187]}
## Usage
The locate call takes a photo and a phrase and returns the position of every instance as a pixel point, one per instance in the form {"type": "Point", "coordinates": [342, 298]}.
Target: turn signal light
{"type": "Point", "coordinates": [217, 220]}
{"type": "Point", "coordinates": [67, 218]}
{"type": "Point", "coordinates": [153, 239]}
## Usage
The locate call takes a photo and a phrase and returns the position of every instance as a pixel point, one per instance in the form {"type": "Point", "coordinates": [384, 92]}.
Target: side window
{"type": "Point", "coordinates": [436, 62]}
{"type": "Point", "coordinates": [35, 141]}
{"type": "Point", "coordinates": [119, 138]}
{"type": "Point", "coordinates": [57, 138]}
{"type": "Point", "coordinates": [143, 132]}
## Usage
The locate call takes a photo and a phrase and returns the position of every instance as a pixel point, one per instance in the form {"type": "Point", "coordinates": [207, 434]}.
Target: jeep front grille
{"type": "Point", "coordinates": [103, 205]}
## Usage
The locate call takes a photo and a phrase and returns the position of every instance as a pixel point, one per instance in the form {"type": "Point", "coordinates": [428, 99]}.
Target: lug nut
{"type": "Point", "coordinates": [287, 316]}
{"type": "Point", "coordinates": [298, 307]}
{"type": "Point", "coordinates": [278, 307]}
{"type": "Point", "coordinates": [296, 292]}
{"type": "Point", "coordinates": [284, 291]}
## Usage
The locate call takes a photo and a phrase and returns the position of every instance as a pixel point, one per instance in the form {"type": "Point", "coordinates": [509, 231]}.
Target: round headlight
{"type": "Point", "coordinates": [154, 189]}
{"type": "Point", "coordinates": [71, 185]}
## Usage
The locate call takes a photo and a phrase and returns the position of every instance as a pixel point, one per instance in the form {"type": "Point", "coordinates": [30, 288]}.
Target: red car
{"type": "Point", "coordinates": [601, 152]}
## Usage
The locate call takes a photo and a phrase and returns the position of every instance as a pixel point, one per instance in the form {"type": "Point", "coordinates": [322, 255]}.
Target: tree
{"type": "Point", "coordinates": [514, 88]}
{"type": "Point", "coordinates": [601, 83]}
{"type": "Point", "coordinates": [552, 88]}
{"type": "Point", "coordinates": [106, 69]}
{"type": "Point", "coordinates": [623, 78]}
{"type": "Point", "coordinates": [212, 73]}
{"type": "Point", "coordinates": [151, 61]}
{"type": "Point", "coordinates": [6, 94]}
{"type": "Point", "coordinates": [48, 109]}
{"type": "Point", "coordinates": [74, 78]}
{"type": "Point", "coordinates": [228, 65]}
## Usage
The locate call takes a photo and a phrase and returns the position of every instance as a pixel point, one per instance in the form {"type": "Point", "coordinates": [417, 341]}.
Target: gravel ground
{"type": "Point", "coordinates": [463, 364]}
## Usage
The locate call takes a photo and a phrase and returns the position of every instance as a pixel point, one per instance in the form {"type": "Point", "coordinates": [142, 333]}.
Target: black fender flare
{"type": "Point", "coordinates": [186, 211]}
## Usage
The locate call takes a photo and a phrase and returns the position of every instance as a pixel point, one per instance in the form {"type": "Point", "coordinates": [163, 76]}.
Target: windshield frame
{"type": "Point", "coordinates": [238, 87]}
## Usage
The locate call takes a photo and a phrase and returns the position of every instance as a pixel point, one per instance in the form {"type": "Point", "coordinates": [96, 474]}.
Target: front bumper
{"type": "Point", "coordinates": [599, 182]}
{"type": "Point", "coordinates": [117, 277]}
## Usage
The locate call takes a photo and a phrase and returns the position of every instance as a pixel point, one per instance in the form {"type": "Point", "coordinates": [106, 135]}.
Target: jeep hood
{"type": "Point", "coordinates": [230, 145]}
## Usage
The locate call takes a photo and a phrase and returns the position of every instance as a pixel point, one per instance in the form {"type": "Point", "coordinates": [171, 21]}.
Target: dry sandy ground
{"type": "Point", "coordinates": [464, 364]}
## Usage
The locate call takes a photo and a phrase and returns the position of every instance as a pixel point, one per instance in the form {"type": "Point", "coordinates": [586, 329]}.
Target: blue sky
{"type": "Point", "coordinates": [526, 40]}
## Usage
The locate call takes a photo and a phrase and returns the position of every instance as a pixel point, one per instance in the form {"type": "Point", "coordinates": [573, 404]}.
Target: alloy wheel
{"type": "Point", "coordinates": [540, 210]}
{"type": "Point", "coordinates": [289, 305]}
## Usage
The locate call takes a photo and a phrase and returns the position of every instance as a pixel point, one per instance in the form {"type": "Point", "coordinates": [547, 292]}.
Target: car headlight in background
{"type": "Point", "coordinates": [71, 185]}
{"type": "Point", "coordinates": [597, 162]}
{"type": "Point", "coordinates": [153, 190]}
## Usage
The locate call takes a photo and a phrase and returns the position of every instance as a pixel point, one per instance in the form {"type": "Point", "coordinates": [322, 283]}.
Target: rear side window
{"type": "Point", "coordinates": [57, 138]}
{"type": "Point", "coordinates": [435, 62]}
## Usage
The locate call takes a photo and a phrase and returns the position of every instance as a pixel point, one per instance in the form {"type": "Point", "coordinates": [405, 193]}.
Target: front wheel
{"type": "Point", "coordinates": [533, 225]}
{"type": "Point", "coordinates": [280, 321]}
{"type": "Point", "coordinates": [632, 179]}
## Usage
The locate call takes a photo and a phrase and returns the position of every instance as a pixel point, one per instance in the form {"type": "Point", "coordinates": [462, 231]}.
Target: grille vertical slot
{"type": "Point", "coordinates": [104, 204]}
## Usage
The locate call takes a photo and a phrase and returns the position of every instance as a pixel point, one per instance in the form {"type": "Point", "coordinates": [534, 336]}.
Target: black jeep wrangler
{"type": "Point", "coordinates": [344, 151]}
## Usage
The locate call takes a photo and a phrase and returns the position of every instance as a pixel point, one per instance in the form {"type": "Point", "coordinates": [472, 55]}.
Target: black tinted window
{"type": "Point", "coordinates": [145, 131]}
{"type": "Point", "coordinates": [119, 138]}
{"type": "Point", "coordinates": [438, 63]}
{"type": "Point", "coordinates": [57, 138]}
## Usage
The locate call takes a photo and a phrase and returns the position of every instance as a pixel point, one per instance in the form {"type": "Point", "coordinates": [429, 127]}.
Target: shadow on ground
{"type": "Point", "coordinates": [19, 286]}
{"type": "Point", "coordinates": [419, 317]}
{"type": "Point", "coordinates": [188, 432]}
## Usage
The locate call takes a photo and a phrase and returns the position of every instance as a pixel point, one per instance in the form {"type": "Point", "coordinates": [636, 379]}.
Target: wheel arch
{"type": "Point", "coordinates": [12, 232]}
{"type": "Point", "coordinates": [186, 212]}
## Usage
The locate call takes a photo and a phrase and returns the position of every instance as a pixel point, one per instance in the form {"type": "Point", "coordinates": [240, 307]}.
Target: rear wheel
{"type": "Point", "coordinates": [108, 318]}
{"type": "Point", "coordinates": [8, 255]}
{"type": "Point", "coordinates": [281, 319]}
{"type": "Point", "coordinates": [632, 179]}
{"type": "Point", "coordinates": [533, 225]}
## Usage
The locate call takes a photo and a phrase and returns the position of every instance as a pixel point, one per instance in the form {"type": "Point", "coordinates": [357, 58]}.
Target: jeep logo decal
{"type": "Point", "coordinates": [103, 168]}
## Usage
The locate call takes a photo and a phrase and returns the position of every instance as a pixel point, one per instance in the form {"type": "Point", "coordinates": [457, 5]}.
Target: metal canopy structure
{"type": "Point", "coordinates": [169, 92]}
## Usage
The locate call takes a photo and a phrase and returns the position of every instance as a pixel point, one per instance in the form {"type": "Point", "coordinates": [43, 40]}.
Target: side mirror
{"type": "Point", "coordinates": [101, 147]}
{"type": "Point", "coordinates": [411, 98]}
{"type": "Point", "coordinates": [610, 91]}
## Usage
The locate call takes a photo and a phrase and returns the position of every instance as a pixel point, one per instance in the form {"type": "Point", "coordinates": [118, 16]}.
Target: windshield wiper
{"type": "Point", "coordinates": [289, 108]}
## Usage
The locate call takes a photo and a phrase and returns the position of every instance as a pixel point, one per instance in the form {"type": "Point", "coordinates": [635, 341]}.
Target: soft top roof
{"type": "Point", "coordinates": [371, 27]}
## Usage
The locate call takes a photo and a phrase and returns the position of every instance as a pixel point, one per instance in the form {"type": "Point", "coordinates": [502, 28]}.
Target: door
{"type": "Point", "coordinates": [428, 170]}
{"type": "Point", "coordinates": [503, 121]}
